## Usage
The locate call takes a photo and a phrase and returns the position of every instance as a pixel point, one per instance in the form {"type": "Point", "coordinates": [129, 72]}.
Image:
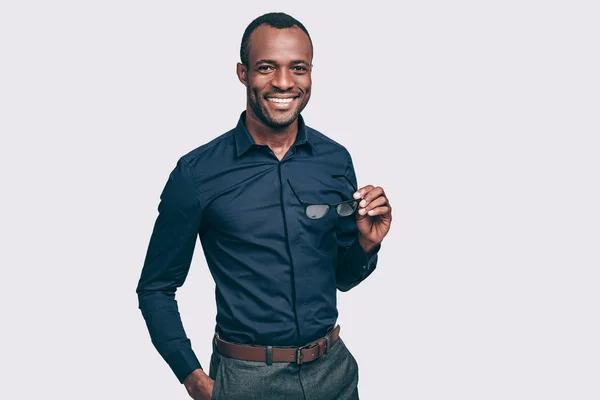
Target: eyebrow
{"type": "Point", "coordinates": [267, 61]}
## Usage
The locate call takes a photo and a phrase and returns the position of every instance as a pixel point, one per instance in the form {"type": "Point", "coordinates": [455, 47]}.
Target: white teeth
{"type": "Point", "coordinates": [275, 100]}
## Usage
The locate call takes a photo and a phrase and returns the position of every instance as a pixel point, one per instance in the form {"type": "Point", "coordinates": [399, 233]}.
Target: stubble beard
{"type": "Point", "coordinates": [259, 107]}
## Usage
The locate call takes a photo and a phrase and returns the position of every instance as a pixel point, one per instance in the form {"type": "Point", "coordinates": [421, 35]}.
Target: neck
{"type": "Point", "coordinates": [278, 139]}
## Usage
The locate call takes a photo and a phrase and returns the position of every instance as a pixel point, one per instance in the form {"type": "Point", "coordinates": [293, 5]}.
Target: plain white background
{"type": "Point", "coordinates": [480, 120]}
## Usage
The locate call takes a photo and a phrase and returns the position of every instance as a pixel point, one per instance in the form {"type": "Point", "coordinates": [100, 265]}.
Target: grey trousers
{"type": "Point", "coordinates": [333, 376]}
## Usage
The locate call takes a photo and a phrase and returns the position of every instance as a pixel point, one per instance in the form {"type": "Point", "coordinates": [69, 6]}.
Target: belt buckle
{"type": "Point", "coordinates": [306, 346]}
{"type": "Point", "coordinates": [299, 352]}
{"type": "Point", "coordinates": [299, 355]}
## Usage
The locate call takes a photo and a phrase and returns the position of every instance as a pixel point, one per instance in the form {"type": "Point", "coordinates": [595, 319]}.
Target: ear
{"type": "Point", "coordinates": [242, 73]}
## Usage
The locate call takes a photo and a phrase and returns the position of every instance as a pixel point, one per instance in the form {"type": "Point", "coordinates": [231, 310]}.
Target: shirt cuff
{"type": "Point", "coordinates": [366, 262]}
{"type": "Point", "coordinates": [183, 362]}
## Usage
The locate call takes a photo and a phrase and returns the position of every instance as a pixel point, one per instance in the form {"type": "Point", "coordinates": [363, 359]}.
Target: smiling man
{"type": "Point", "coordinates": [283, 226]}
{"type": "Point", "coordinates": [277, 104]}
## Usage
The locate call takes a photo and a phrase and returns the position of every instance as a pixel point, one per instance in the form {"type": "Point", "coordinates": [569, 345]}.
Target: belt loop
{"type": "Point", "coordinates": [269, 355]}
{"type": "Point", "coordinates": [327, 344]}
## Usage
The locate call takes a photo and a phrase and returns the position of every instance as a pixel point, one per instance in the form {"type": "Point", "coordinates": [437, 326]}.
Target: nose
{"type": "Point", "coordinates": [282, 79]}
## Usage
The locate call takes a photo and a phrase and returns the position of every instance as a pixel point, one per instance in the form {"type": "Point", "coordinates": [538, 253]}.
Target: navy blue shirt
{"type": "Point", "coordinates": [276, 271]}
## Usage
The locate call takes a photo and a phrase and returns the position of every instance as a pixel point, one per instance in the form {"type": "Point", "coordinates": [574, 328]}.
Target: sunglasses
{"type": "Point", "coordinates": [316, 211]}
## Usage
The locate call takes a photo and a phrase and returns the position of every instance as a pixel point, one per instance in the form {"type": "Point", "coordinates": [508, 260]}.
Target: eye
{"type": "Point", "coordinates": [299, 68]}
{"type": "Point", "coordinates": [265, 68]}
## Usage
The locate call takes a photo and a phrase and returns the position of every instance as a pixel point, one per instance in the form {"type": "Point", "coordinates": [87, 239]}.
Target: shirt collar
{"type": "Point", "coordinates": [244, 141]}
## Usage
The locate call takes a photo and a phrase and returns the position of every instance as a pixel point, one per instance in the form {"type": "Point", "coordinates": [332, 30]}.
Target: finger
{"type": "Point", "coordinates": [383, 211]}
{"type": "Point", "coordinates": [379, 201]}
{"type": "Point", "coordinates": [361, 214]}
{"type": "Point", "coordinates": [372, 195]}
{"type": "Point", "coordinates": [362, 191]}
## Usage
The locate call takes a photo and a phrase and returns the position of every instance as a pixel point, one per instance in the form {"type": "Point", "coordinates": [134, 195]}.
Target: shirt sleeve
{"type": "Point", "coordinates": [165, 268]}
{"type": "Point", "coordinates": [354, 264]}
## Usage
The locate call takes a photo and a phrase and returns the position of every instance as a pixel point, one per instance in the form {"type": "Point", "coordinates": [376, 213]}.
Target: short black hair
{"type": "Point", "coordinates": [277, 20]}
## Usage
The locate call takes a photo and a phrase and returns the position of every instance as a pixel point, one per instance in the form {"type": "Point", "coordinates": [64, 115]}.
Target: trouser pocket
{"type": "Point", "coordinates": [215, 372]}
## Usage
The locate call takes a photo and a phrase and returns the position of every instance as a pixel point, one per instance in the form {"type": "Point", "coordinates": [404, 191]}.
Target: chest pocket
{"type": "Point", "coordinates": [318, 236]}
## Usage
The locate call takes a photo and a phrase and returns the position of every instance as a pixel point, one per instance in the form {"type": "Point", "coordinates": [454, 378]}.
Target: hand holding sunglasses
{"type": "Point", "coordinates": [374, 217]}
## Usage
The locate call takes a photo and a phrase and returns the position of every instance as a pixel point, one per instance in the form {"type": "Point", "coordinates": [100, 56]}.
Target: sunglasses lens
{"type": "Point", "coordinates": [316, 211]}
{"type": "Point", "coordinates": [346, 209]}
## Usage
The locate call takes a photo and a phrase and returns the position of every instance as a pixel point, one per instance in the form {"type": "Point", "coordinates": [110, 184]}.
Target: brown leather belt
{"type": "Point", "coordinates": [270, 354]}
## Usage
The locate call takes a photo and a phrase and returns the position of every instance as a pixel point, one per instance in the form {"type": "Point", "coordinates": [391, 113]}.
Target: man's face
{"type": "Point", "coordinates": [278, 75]}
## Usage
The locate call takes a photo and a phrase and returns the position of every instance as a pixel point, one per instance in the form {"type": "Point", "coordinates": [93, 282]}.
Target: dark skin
{"type": "Point", "coordinates": [278, 86]}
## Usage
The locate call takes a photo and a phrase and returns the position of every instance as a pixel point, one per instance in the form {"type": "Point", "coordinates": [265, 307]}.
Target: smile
{"type": "Point", "coordinates": [281, 101]}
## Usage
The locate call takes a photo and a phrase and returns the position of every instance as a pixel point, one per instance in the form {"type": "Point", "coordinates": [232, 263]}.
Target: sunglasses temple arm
{"type": "Point", "coordinates": [348, 179]}
{"type": "Point", "coordinates": [293, 191]}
